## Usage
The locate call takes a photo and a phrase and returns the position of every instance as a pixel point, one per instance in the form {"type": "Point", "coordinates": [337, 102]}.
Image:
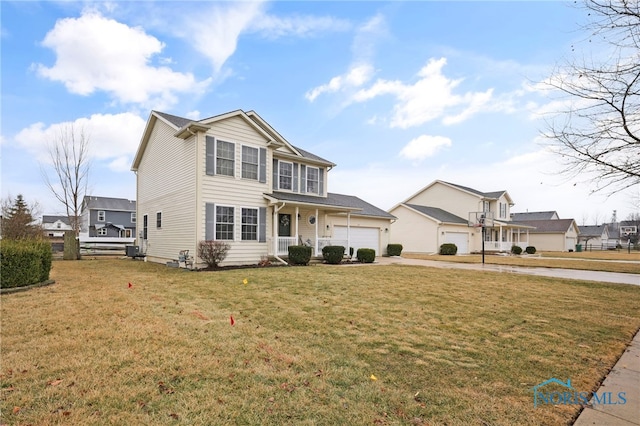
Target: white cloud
{"type": "Point", "coordinates": [424, 146]}
{"type": "Point", "coordinates": [111, 137]}
{"type": "Point", "coordinates": [96, 53]}
{"type": "Point", "coordinates": [271, 26]}
{"type": "Point", "coordinates": [355, 77]}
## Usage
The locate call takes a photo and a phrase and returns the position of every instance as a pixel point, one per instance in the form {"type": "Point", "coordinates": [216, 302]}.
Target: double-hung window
{"type": "Point", "coordinates": [285, 177]}
{"type": "Point", "coordinates": [313, 180]}
{"type": "Point", "coordinates": [225, 158]}
{"type": "Point", "coordinates": [224, 222]}
{"type": "Point", "coordinates": [159, 220]}
{"type": "Point", "coordinates": [250, 163]}
{"type": "Point", "coordinates": [102, 216]}
{"type": "Point", "coordinates": [133, 217]}
{"type": "Point", "coordinates": [249, 224]}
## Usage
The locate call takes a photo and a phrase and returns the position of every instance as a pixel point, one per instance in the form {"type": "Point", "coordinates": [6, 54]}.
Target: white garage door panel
{"type": "Point", "coordinates": [460, 239]}
{"type": "Point", "coordinates": [359, 237]}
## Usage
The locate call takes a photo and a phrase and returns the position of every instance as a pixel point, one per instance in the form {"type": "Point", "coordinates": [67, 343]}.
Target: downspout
{"type": "Point", "coordinates": [276, 209]}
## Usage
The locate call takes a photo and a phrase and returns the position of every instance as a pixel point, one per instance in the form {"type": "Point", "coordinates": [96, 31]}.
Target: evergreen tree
{"type": "Point", "coordinates": [18, 221]}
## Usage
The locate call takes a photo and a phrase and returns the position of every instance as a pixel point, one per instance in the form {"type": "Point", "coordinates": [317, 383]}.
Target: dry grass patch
{"type": "Point", "coordinates": [446, 347]}
{"type": "Point", "coordinates": [613, 262]}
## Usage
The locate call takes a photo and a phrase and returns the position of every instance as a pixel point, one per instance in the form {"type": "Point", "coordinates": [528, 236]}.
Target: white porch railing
{"type": "Point", "coordinates": [504, 245]}
{"type": "Point", "coordinates": [285, 242]}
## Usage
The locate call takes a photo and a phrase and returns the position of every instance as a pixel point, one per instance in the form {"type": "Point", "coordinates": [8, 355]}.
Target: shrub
{"type": "Point", "coordinates": [299, 255]}
{"type": "Point", "coordinates": [213, 252]}
{"type": "Point", "coordinates": [394, 249]}
{"type": "Point", "coordinates": [448, 249]}
{"type": "Point", "coordinates": [366, 255]}
{"type": "Point", "coordinates": [24, 262]}
{"type": "Point", "coordinates": [516, 250]}
{"type": "Point", "coordinates": [530, 250]}
{"type": "Point", "coordinates": [333, 254]}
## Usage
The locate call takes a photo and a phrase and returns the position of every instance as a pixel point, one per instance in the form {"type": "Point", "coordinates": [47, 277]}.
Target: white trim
{"type": "Point", "coordinates": [215, 157]}
{"type": "Point", "coordinates": [280, 188]}
{"type": "Point", "coordinates": [215, 222]}
{"type": "Point", "coordinates": [104, 216]}
{"type": "Point", "coordinates": [134, 217]}
{"type": "Point", "coordinates": [257, 209]}
{"type": "Point", "coordinates": [307, 180]}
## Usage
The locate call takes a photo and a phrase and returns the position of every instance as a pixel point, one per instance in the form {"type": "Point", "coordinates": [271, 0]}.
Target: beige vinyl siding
{"type": "Point", "coordinates": [416, 232]}
{"type": "Point", "coordinates": [166, 182]}
{"type": "Point", "coordinates": [236, 192]}
{"type": "Point", "coordinates": [449, 199]}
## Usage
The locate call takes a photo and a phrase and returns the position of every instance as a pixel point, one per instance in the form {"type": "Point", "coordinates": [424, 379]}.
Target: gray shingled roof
{"type": "Point", "coordinates": [439, 214]}
{"type": "Point", "coordinates": [107, 203]}
{"type": "Point", "coordinates": [546, 226]}
{"type": "Point", "coordinates": [181, 122]}
{"type": "Point", "coordinates": [533, 216]}
{"type": "Point", "coordinates": [55, 218]}
{"type": "Point", "coordinates": [592, 230]}
{"type": "Point", "coordinates": [492, 195]}
{"type": "Point", "coordinates": [335, 200]}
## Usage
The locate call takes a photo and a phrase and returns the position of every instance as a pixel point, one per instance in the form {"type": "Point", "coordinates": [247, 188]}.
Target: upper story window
{"type": "Point", "coordinates": [101, 215]}
{"type": "Point", "coordinates": [225, 158]}
{"type": "Point", "coordinates": [250, 162]}
{"type": "Point", "coordinates": [285, 175]}
{"type": "Point", "coordinates": [133, 217]}
{"type": "Point", "coordinates": [486, 206]}
{"type": "Point", "coordinates": [58, 225]}
{"type": "Point", "coordinates": [503, 210]}
{"type": "Point", "coordinates": [313, 180]}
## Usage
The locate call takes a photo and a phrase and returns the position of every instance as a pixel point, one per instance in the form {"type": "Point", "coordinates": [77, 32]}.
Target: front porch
{"type": "Point", "coordinates": [304, 220]}
{"type": "Point", "coordinates": [502, 236]}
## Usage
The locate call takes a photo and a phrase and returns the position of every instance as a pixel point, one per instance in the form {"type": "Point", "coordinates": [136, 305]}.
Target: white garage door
{"type": "Point", "coordinates": [359, 237]}
{"type": "Point", "coordinates": [460, 239]}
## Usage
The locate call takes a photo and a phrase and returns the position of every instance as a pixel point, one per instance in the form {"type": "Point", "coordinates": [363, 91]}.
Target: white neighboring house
{"type": "Point", "coordinates": [439, 213]}
{"type": "Point", "coordinates": [55, 226]}
{"type": "Point", "coordinates": [234, 178]}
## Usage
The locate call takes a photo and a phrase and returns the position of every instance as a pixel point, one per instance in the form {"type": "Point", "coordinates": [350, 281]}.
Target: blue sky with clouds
{"type": "Point", "coordinates": [397, 94]}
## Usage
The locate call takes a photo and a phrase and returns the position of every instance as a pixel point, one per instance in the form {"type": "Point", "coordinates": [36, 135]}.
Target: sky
{"type": "Point", "coordinates": [397, 94]}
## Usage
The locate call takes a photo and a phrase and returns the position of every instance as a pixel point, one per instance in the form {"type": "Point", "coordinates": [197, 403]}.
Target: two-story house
{"type": "Point", "coordinates": [444, 212]}
{"type": "Point", "coordinates": [234, 178]}
{"type": "Point", "coordinates": [54, 226]}
{"type": "Point", "coordinates": [108, 218]}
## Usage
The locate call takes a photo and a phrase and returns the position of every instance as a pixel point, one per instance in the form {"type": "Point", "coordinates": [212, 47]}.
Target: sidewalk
{"type": "Point", "coordinates": [624, 377]}
{"type": "Point", "coordinates": [575, 274]}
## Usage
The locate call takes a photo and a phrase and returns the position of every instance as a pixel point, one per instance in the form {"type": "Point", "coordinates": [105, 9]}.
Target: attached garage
{"type": "Point", "coordinates": [460, 239]}
{"type": "Point", "coordinates": [359, 237]}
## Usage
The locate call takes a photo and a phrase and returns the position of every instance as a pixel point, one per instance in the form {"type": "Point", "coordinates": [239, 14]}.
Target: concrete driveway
{"type": "Point", "coordinates": [574, 274]}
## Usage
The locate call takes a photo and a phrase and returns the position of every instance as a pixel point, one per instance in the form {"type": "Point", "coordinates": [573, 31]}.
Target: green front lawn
{"type": "Point", "coordinates": [309, 345]}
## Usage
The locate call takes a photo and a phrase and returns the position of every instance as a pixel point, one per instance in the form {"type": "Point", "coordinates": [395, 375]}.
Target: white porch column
{"type": "Point", "coordinates": [275, 230]}
{"type": "Point", "coordinates": [316, 230]}
{"type": "Point", "coordinates": [297, 220]}
{"type": "Point", "coordinates": [348, 231]}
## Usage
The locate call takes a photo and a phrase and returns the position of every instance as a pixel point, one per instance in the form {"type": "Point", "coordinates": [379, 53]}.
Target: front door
{"type": "Point", "coordinates": [284, 225]}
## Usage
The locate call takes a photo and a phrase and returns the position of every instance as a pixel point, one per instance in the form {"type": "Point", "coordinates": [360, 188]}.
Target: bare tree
{"type": "Point", "coordinates": [597, 132]}
{"type": "Point", "coordinates": [69, 155]}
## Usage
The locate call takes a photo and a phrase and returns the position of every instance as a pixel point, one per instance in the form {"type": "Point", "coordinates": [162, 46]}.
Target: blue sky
{"type": "Point", "coordinates": [397, 94]}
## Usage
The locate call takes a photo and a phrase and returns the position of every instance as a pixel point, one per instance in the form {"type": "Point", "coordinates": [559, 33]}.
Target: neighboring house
{"type": "Point", "coordinates": [55, 226]}
{"type": "Point", "coordinates": [234, 178]}
{"type": "Point", "coordinates": [594, 236]}
{"type": "Point", "coordinates": [553, 234]}
{"type": "Point", "coordinates": [620, 233]}
{"type": "Point", "coordinates": [519, 217]}
{"type": "Point", "coordinates": [439, 213]}
{"type": "Point", "coordinates": [109, 218]}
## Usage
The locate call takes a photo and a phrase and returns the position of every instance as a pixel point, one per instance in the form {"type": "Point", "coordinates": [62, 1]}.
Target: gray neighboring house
{"type": "Point", "coordinates": [108, 217]}
{"type": "Point", "coordinates": [549, 215]}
